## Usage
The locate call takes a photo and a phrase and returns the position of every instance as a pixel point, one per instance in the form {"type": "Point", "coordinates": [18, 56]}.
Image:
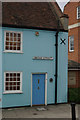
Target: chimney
{"type": "Point", "coordinates": [64, 21]}
{"type": "Point", "coordinates": [63, 18]}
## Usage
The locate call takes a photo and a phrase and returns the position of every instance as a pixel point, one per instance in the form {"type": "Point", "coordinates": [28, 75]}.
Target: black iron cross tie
{"type": "Point", "coordinates": [63, 41]}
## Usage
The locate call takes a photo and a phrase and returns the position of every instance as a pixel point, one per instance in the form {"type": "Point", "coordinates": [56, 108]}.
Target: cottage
{"type": "Point", "coordinates": [34, 54]}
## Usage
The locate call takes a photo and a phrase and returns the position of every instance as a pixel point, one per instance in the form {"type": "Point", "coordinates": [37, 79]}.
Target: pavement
{"type": "Point", "coordinates": [50, 111]}
{"type": "Point", "coordinates": [0, 114]}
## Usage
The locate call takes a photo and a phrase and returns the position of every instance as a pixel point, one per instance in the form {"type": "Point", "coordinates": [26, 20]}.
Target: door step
{"type": "Point", "coordinates": [41, 109]}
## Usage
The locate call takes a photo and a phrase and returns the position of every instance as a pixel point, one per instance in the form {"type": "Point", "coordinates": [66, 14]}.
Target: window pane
{"type": "Point", "coordinates": [18, 44]}
{"type": "Point", "coordinates": [15, 43]}
{"type": "Point", "coordinates": [7, 83]}
{"type": "Point", "coordinates": [7, 34]}
{"type": "Point", "coordinates": [14, 83]}
{"type": "Point", "coordinates": [11, 39]}
{"type": "Point", "coordinates": [10, 83]}
{"type": "Point", "coordinates": [19, 35]}
{"type": "Point", "coordinates": [14, 88]}
{"type": "Point", "coordinates": [7, 47]}
{"type": "Point", "coordinates": [71, 42]}
{"type": "Point", "coordinates": [7, 43]}
{"type": "Point", "coordinates": [18, 39]}
{"type": "Point", "coordinates": [18, 83]}
{"type": "Point", "coordinates": [18, 48]}
{"type": "Point", "coordinates": [14, 48]}
{"type": "Point", "coordinates": [14, 79]}
{"type": "Point", "coordinates": [7, 79]}
{"type": "Point", "coordinates": [18, 79]}
{"type": "Point", "coordinates": [10, 88]}
{"type": "Point", "coordinates": [18, 74]}
{"type": "Point", "coordinates": [14, 74]}
{"type": "Point", "coordinates": [6, 88]}
{"type": "Point", "coordinates": [7, 74]}
{"type": "Point", "coordinates": [15, 39]}
{"type": "Point", "coordinates": [7, 38]}
{"type": "Point", "coordinates": [11, 47]}
{"type": "Point", "coordinates": [18, 87]}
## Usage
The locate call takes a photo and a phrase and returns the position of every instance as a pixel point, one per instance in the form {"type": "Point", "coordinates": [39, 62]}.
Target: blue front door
{"type": "Point", "coordinates": [38, 89]}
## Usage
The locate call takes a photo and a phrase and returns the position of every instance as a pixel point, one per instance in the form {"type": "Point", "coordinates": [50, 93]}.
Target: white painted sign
{"type": "Point", "coordinates": [42, 58]}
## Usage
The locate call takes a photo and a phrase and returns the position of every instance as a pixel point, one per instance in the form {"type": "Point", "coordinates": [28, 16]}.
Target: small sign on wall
{"type": "Point", "coordinates": [42, 58]}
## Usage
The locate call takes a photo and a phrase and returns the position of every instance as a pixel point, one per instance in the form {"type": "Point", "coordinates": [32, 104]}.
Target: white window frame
{"type": "Point", "coordinates": [13, 91]}
{"type": "Point", "coordinates": [70, 44]}
{"type": "Point", "coordinates": [13, 51]}
{"type": "Point", "coordinates": [78, 12]}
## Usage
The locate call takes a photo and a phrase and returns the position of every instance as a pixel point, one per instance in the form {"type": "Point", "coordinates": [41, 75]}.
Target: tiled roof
{"type": "Point", "coordinates": [73, 65]}
{"type": "Point", "coordinates": [29, 14]}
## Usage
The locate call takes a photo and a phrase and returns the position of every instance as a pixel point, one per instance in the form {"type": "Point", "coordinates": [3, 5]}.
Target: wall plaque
{"type": "Point", "coordinates": [42, 58]}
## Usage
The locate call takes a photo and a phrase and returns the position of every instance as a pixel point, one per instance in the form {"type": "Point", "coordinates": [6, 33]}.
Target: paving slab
{"type": "Point", "coordinates": [0, 114]}
{"type": "Point", "coordinates": [50, 111]}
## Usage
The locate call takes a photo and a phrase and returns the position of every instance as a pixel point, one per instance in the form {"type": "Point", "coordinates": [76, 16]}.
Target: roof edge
{"type": "Point", "coordinates": [67, 4]}
{"type": "Point", "coordinates": [30, 27]}
{"type": "Point", "coordinates": [65, 15]}
{"type": "Point", "coordinates": [73, 68]}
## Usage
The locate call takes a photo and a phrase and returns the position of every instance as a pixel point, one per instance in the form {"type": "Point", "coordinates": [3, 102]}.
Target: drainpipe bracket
{"type": "Point", "coordinates": [56, 44]}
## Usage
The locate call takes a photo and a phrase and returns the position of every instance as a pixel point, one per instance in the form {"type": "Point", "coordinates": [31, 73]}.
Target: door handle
{"type": "Point", "coordinates": [38, 81]}
{"type": "Point", "coordinates": [38, 88]}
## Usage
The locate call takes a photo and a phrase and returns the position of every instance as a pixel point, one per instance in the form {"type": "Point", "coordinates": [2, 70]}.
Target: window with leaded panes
{"type": "Point", "coordinates": [13, 81]}
{"type": "Point", "coordinates": [13, 42]}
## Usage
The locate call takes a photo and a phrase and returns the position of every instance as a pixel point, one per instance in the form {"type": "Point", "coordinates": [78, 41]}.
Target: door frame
{"type": "Point", "coordinates": [45, 86]}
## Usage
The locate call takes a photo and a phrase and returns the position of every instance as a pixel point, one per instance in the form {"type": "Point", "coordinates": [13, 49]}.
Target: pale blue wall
{"type": "Point", "coordinates": [62, 68]}
{"type": "Point", "coordinates": [42, 45]}
{"type": "Point", "coordinates": [1, 66]}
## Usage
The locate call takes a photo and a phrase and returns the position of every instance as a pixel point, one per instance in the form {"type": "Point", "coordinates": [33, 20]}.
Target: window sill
{"type": "Point", "coordinates": [78, 18]}
{"type": "Point", "coordinates": [12, 52]}
{"type": "Point", "coordinates": [71, 50]}
{"type": "Point", "coordinates": [12, 92]}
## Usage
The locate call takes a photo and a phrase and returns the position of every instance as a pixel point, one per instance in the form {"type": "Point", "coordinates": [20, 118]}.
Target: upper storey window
{"type": "Point", "coordinates": [78, 12]}
{"type": "Point", "coordinates": [13, 41]}
{"type": "Point", "coordinates": [71, 43]}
